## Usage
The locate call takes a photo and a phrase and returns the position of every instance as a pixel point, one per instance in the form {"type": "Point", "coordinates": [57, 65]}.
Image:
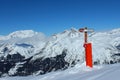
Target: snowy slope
{"type": "Point", "coordinates": [79, 72]}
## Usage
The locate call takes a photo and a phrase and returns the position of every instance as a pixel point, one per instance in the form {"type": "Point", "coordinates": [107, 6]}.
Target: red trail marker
{"type": "Point", "coordinates": [88, 47]}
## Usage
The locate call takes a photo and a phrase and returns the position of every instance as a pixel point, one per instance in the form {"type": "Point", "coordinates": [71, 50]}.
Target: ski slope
{"type": "Point", "coordinates": [79, 72]}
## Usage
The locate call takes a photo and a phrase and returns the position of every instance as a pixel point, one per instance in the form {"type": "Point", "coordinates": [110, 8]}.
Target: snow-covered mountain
{"type": "Point", "coordinates": [28, 52]}
{"type": "Point", "coordinates": [19, 34]}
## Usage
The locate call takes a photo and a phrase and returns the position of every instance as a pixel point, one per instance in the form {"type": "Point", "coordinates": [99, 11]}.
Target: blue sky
{"type": "Point", "coordinates": [53, 16]}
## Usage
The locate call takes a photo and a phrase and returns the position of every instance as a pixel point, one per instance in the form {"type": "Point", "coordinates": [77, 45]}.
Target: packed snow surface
{"type": "Point", "coordinates": [79, 72]}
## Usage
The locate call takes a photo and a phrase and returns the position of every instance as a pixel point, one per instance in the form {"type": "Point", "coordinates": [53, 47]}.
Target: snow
{"type": "Point", "coordinates": [14, 42]}
{"type": "Point", "coordinates": [104, 46]}
{"type": "Point", "coordinates": [19, 34]}
{"type": "Point", "coordinates": [14, 70]}
{"type": "Point", "coordinates": [79, 72]}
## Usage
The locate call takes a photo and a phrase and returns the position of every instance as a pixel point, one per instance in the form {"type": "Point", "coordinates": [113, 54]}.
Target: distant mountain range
{"type": "Point", "coordinates": [27, 52]}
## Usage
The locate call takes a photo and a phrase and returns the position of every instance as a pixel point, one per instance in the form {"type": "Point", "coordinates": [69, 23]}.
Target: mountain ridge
{"type": "Point", "coordinates": [60, 51]}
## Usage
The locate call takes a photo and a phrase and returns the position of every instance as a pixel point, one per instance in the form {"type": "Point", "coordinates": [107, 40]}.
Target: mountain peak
{"type": "Point", "coordinates": [19, 34]}
{"type": "Point", "coordinates": [22, 34]}
{"type": "Point", "coordinates": [115, 31]}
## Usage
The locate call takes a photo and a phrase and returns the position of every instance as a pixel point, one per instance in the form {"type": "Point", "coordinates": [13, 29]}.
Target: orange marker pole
{"type": "Point", "coordinates": [88, 48]}
{"type": "Point", "coordinates": [88, 54]}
